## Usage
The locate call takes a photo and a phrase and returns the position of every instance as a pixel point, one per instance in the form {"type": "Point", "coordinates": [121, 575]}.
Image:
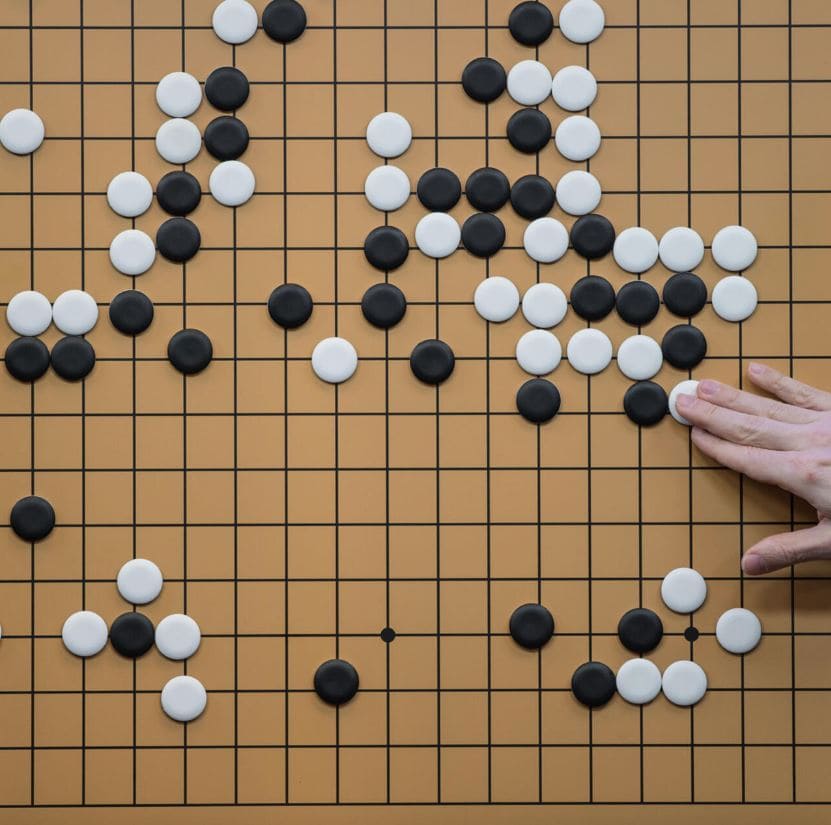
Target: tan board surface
{"type": "Point", "coordinates": [294, 520]}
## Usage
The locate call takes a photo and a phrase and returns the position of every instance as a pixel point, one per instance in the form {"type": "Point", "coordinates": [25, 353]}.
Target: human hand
{"type": "Point", "coordinates": [786, 442]}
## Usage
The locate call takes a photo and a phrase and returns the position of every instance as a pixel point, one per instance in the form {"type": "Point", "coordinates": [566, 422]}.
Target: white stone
{"type": "Point", "coordinates": [84, 633]}
{"type": "Point", "coordinates": [21, 131]}
{"type": "Point", "coordinates": [738, 630]}
{"type": "Point", "coordinates": [538, 352]}
{"type": "Point", "coordinates": [589, 351]}
{"type": "Point", "coordinates": [129, 194]}
{"type": "Point", "coordinates": [387, 188]}
{"type": "Point", "coordinates": [684, 683]}
{"type": "Point", "coordinates": [437, 235]}
{"type": "Point", "coordinates": [638, 681]}
{"type": "Point", "coordinates": [544, 305]}
{"type": "Point", "coordinates": [389, 134]}
{"type": "Point", "coordinates": [183, 697]}
{"type": "Point", "coordinates": [639, 357]}
{"type": "Point", "coordinates": [574, 88]}
{"type": "Point", "coordinates": [139, 581]}
{"type": "Point", "coordinates": [178, 636]}
{"type": "Point", "coordinates": [235, 21]}
{"type": "Point", "coordinates": [578, 192]}
{"type": "Point", "coordinates": [231, 183]}
{"type": "Point", "coordinates": [635, 250]}
{"type": "Point", "coordinates": [734, 248]}
{"type": "Point", "coordinates": [577, 138]}
{"type": "Point", "coordinates": [582, 21]}
{"type": "Point", "coordinates": [496, 299]}
{"type": "Point", "coordinates": [178, 94]}
{"type": "Point", "coordinates": [688, 387]}
{"type": "Point", "coordinates": [29, 313]}
{"type": "Point", "coordinates": [334, 360]}
{"type": "Point", "coordinates": [132, 252]}
{"type": "Point", "coordinates": [735, 298]}
{"type": "Point", "coordinates": [529, 82]}
{"type": "Point", "coordinates": [681, 249]}
{"type": "Point", "coordinates": [683, 590]}
{"type": "Point", "coordinates": [75, 312]}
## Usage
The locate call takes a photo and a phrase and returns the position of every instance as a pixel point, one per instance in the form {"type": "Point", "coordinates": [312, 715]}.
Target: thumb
{"type": "Point", "coordinates": [775, 552]}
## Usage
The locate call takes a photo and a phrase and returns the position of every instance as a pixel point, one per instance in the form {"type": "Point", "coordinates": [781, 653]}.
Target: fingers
{"type": "Point", "coordinates": [725, 396]}
{"type": "Point", "coordinates": [776, 552]}
{"type": "Point", "coordinates": [789, 390]}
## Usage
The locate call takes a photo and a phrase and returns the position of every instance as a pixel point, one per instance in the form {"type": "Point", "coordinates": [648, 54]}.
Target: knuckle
{"type": "Point", "coordinates": [807, 466]}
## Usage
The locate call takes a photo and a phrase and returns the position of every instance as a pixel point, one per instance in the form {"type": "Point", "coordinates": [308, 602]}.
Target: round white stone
{"type": "Point", "coordinates": [574, 88]}
{"type": "Point", "coordinates": [538, 352]}
{"type": "Point", "coordinates": [638, 681]}
{"type": "Point", "coordinates": [139, 581]}
{"type": "Point", "coordinates": [738, 630]}
{"type": "Point", "coordinates": [684, 683]}
{"type": "Point", "coordinates": [582, 21]}
{"type": "Point", "coordinates": [735, 298]}
{"type": "Point", "coordinates": [496, 299]}
{"type": "Point", "coordinates": [636, 249]}
{"type": "Point", "coordinates": [234, 21]}
{"type": "Point", "coordinates": [231, 183]}
{"type": "Point", "coordinates": [129, 194]}
{"type": "Point", "coordinates": [545, 240]}
{"type": "Point", "coordinates": [178, 94]}
{"type": "Point", "coordinates": [84, 633]}
{"type": "Point", "coordinates": [334, 360]}
{"type": "Point", "coordinates": [589, 351]}
{"type": "Point", "coordinates": [681, 249]}
{"type": "Point", "coordinates": [132, 252]}
{"type": "Point", "coordinates": [178, 636]}
{"type": "Point", "coordinates": [29, 313]}
{"type": "Point", "coordinates": [437, 235]}
{"type": "Point", "coordinates": [688, 387]}
{"type": "Point", "coordinates": [577, 138]}
{"type": "Point", "coordinates": [529, 82]}
{"type": "Point", "coordinates": [683, 590]}
{"type": "Point", "coordinates": [544, 305]}
{"type": "Point", "coordinates": [21, 131]}
{"type": "Point", "coordinates": [389, 134]}
{"type": "Point", "coordinates": [75, 312]}
{"type": "Point", "coordinates": [183, 697]}
{"type": "Point", "coordinates": [734, 248]}
{"type": "Point", "coordinates": [178, 140]}
{"type": "Point", "coordinates": [387, 188]}
{"type": "Point", "coordinates": [639, 357]}
{"type": "Point", "coordinates": [578, 192]}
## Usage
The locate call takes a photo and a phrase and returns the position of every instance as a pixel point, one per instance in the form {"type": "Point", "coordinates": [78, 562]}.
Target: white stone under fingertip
{"type": "Point", "coordinates": [687, 387]}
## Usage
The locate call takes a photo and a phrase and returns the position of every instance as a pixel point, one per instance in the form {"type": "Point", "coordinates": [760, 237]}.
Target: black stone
{"type": "Point", "coordinates": [386, 247]}
{"type": "Point", "coordinates": [640, 630]}
{"type": "Point", "coordinates": [284, 20]}
{"type": "Point", "coordinates": [529, 130]}
{"type": "Point", "coordinates": [684, 346]}
{"type": "Point", "coordinates": [190, 351]}
{"type": "Point", "coordinates": [131, 312]}
{"type": "Point", "coordinates": [538, 400]}
{"type": "Point", "coordinates": [531, 626]}
{"type": "Point", "coordinates": [27, 358]}
{"type": "Point", "coordinates": [387, 635]}
{"type": "Point", "coordinates": [432, 361]}
{"type": "Point", "coordinates": [645, 403]}
{"type": "Point", "coordinates": [592, 297]}
{"type": "Point", "coordinates": [178, 240]}
{"type": "Point", "coordinates": [483, 234]}
{"type": "Point", "coordinates": [531, 23]}
{"type": "Point", "coordinates": [532, 197]}
{"type": "Point", "coordinates": [132, 634]}
{"type": "Point", "coordinates": [484, 79]}
{"type": "Point", "coordinates": [487, 189]}
{"type": "Point", "coordinates": [178, 193]}
{"type": "Point", "coordinates": [593, 684]}
{"type": "Point", "coordinates": [685, 294]}
{"type": "Point", "coordinates": [383, 305]}
{"type": "Point", "coordinates": [73, 358]}
{"type": "Point", "coordinates": [593, 236]}
{"type": "Point", "coordinates": [637, 302]}
{"type": "Point", "coordinates": [439, 189]}
{"type": "Point", "coordinates": [226, 138]}
{"type": "Point", "coordinates": [226, 88]}
{"type": "Point", "coordinates": [691, 634]}
{"type": "Point", "coordinates": [290, 305]}
{"type": "Point", "coordinates": [32, 518]}
{"type": "Point", "coordinates": [336, 681]}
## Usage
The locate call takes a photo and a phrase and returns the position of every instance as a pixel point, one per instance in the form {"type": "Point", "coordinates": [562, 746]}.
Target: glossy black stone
{"type": "Point", "coordinates": [132, 634]}
{"type": "Point", "coordinates": [531, 626]}
{"type": "Point", "coordinates": [439, 189]}
{"type": "Point", "coordinates": [73, 358]}
{"type": "Point", "coordinates": [131, 312]}
{"type": "Point", "coordinates": [290, 305]}
{"type": "Point", "coordinates": [483, 234]}
{"type": "Point", "coordinates": [190, 351]}
{"type": "Point", "coordinates": [531, 23]}
{"type": "Point", "coordinates": [593, 684]}
{"type": "Point", "coordinates": [226, 88]}
{"type": "Point", "coordinates": [592, 297]}
{"type": "Point", "coordinates": [226, 137]}
{"type": "Point", "coordinates": [532, 197]}
{"type": "Point", "coordinates": [685, 294]}
{"type": "Point", "coordinates": [336, 681]}
{"type": "Point", "coordinates": [32, 518]}
{"type": "Point", "coordinates": [645, 403]}
{"type": "Point", "coordinates": [387, 635]}
{"type": "Point", "coordinates": [383, 305]}
{"type": "Point", "coordinates": [684, 346]}
{"type": "Point", "coordinates": [284, 20]}
{"type": "Point", "coordinates": [487, 189]}
{"type": "Point", "coordinates": [640, 630]}
{"type": "Point", "coordinates": [26, 358]}
{"type": "Point", "coordinates": [637, 303]}
{"type": "Point", "coordinates": [529, 130]}
{"type": "Point", "coordinates": [178, 193]}
{"type": "Point", "coordinates": [593, 236]}
{"type": "Point", "coordinates": [691, 634]}
{"type": "Point", "coordinates": [538, 400]}
{"type": "Point", "coordinates": [178, 240]}
{"type": "Point", "coordinates": [432, 361]}
{"type": "Point", "coordinates": [386, 247]}
{"type": "Point", "coordinates": [483, 79]}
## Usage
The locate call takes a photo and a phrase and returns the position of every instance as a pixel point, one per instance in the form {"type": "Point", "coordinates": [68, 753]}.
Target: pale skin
{"type": "Point", "coordinates": [785, 440]}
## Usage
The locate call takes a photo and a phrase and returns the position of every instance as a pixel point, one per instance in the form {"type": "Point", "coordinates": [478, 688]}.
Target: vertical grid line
{"type": "Point", "coordinates": [286, 531]}
{"type": "Point", "coordinates": [32, 429]}
{"type": "Point", "coordinates": [236, 491]}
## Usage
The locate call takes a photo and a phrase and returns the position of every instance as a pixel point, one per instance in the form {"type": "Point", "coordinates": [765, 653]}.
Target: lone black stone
{"type": "Point", "coordinates": [487, 189]}
{"type": "Point", "coordinates": [538, 400]}
{"type": "Point", "coordinates": [432, 361]}
{"type": "Point", "coordinates": [637, 302]}
{"type": "Point", "coordinates": [691, 634]}
{"type": "Point", "coordinates": [439, 189]}
{"type": "Point", "coordinates": [684, 346]}
{"type": "Point", "coordinates": [593, 684]}
{"type": "Point", "coordinates": [178, 193]}
{"type": "Point", "coordinates": [226, 88]}
{"type": "Point", "coordinates": [226, 137]}
{"type": "Point", "coordinates": [190, 351]}
{"type": "Point", "coordinates": [73, 358]}
{"type": "Point", "coordinates": [483, 234]}
{"type": "Point", "coordinates": [386, 247]}
{"type": "Point", "coordinates": [531, 23]}
{"type": "Point", "coordinates": [593, 236]}
{"type": "Point", "coordinates": [529, 130]}
{"type": "Point", "coordinates": [640, 630]}
{"type": "Point", "coordinates": [685, 294]}
{"type": "Point", "coordinates": [532, 196]}
{"type": "Point", "coordinates": [484, 79]}
{"type": "Point", "coordinates": [27, 358]}
{"type": "Point", "coordinates": [131, 634]}
{"type": "Point", "coordinates": [531, 626]}
{"type": "Point", "coordinates": [131, 312]}
{"type": "Point", "coordinates": [387, 635]}
{"type": "Point", "coordinates": [383, 305]}
{"type": "Point", "coordinates": [336, 681]}
{"type": "Point", "coordinates": [592, 297]}
{"type": "Point", "coordinates": [178, 240]}
{"type": "Point", "coordinates": [32, 518]}
{"type": "Point", "coordinates": [284, 20]}
{"type": "Point", "coordinates": [645, 403]}
{"type": "Point", "coordinates": [290, 305]}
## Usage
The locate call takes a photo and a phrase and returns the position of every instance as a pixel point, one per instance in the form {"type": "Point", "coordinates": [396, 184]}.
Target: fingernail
{"type": "Point", "coordinates": [755, 369]}
{"type": "Point", "coordinates": [684, 401]}
{"type": "Point", "coordinates": [753, 564]}
{"type": "Point", "coordinates": [707, 387]}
